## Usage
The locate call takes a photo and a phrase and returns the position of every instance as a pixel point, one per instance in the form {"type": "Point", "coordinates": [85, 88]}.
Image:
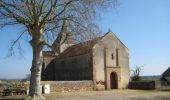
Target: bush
{"type": "Point", "coordinates": [142, 85]}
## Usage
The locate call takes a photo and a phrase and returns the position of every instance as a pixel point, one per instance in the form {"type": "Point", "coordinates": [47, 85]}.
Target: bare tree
{"type": "Point", "coordinates": [136, 73]}
{"type": "Point", "coordinates": [42, 20]}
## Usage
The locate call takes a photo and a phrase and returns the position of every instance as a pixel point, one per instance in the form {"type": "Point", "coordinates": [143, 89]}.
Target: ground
{"type": "Point", "coordinates": [106, 95]}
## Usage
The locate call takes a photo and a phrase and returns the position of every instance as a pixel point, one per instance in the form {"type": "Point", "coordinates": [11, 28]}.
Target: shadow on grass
{"type": "Point", "coordinates": [11, 97]}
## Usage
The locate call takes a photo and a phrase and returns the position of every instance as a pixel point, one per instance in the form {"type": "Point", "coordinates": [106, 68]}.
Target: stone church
{"type": "Point", "coordinates": [103, 60]}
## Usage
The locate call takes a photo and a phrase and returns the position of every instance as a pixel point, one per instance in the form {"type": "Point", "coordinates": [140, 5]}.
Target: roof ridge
{"type": "Point", "coordinates": [166, 72]}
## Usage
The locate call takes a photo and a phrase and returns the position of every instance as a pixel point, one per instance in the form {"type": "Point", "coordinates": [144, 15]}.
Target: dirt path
{"type": "Point", "coordinates": [105, 95]}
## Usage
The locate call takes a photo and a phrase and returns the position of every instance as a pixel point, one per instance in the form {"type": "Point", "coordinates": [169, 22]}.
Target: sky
{"type": "Point", "coordinates": [142, 25]}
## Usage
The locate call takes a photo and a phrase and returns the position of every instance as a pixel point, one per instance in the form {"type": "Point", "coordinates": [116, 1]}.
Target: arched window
{"type": "Point", "coordinates": [112, 56]}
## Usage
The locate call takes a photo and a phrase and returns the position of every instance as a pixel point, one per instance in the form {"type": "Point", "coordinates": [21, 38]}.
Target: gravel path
{"type": "Point", "coordinates": [112, 95]}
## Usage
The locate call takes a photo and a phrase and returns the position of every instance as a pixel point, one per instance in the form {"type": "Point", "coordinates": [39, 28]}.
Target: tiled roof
{"type": "Point", "coordinates": [75, 50]}
{"type": "Point", "coordinates": [166, 73]}
{"type": "Point", "coordinates": [49, 54]}
{"type": "Point", "coordinates": [79, 49]}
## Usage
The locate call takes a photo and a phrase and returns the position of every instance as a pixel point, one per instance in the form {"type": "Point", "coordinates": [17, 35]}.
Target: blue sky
{"type": "Point", "coordinates": [142, 25]}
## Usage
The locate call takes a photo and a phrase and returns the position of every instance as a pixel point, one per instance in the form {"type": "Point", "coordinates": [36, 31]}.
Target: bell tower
{"type": "Point", "coordinates": [63, 40]}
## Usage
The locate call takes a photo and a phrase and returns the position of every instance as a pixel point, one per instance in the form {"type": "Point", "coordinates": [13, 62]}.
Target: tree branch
{"type": "Point", "coordinates": [14, 42]}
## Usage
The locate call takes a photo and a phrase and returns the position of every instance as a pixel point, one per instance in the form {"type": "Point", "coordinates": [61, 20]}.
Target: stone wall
{"type": "Point", "coordinates": [73, 68]}
{"type": "Point", "coordinates": [110, 55]}
{"type": "Point", "coordinates": [69, 86]}
{"type": "Point", "coordinates": [98, 67]}
{"type": "Point", "coordinates": [69, 69]}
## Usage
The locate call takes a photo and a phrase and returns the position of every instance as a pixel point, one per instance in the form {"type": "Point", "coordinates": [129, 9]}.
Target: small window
{"type": "Point", "coordinates": [112, 56]}
{"type": "Point", "coordinates": [117, 57]}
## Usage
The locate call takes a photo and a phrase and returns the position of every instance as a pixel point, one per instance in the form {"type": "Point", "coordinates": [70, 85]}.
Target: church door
{"type": "Point", "coordinates": [113, 80]}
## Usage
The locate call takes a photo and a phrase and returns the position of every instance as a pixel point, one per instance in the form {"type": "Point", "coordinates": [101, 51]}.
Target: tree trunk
{"type": "Point", "coordinates": [35, 88]}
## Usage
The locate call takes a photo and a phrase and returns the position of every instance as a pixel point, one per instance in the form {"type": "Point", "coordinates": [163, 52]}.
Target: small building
{"type": "Point", "coordinates": [103, 60]}
{"type": "Point", "coordinates": [165, 77]}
